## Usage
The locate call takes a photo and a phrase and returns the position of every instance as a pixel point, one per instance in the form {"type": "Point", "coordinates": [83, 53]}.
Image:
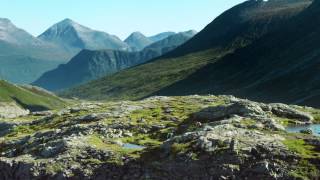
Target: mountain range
{"type": "Point", "coordinates": [24, 58]}
{"type": "Point", "coordinates": [137, 41]}
{"type": "Point", "coordinates": [262, 50]}
{"type": "Point", "coordinates": [167, 106]}
{"type": "Point", "coordinates": [72, 35]}
{"type": "Point", "coordinates": [90, 65]}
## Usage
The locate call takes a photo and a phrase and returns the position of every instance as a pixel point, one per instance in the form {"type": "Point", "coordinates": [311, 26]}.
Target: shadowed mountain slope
{"type": "Point", "coordinates": [281, 66]}
{"type": "Point", "coordinates": [236, 28]}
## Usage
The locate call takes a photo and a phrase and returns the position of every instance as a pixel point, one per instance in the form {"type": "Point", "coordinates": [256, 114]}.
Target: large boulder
{"type": "Point", "coordinates": [250, 109]}
{"type": "Point", "coordinates": [240, 108]}
{"type": "Point", "coordinates": [286, 111]}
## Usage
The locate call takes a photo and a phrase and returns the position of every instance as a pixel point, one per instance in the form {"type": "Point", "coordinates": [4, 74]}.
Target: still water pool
{"type": "Point", "coordinates": [132, 146]}
{"type": "Point", "coordinates": [296, 129]}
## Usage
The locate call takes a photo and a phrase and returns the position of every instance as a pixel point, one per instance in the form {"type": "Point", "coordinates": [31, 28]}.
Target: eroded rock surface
{"type": "Point", "coordinates": [11, 110]}
{"type": "Point", "coordinates": [192, 137]}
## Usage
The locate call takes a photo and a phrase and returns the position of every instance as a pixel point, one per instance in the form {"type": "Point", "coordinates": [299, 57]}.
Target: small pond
{"type": "Point", "coordinates": [296, 129]}
{"type": "Point", "coordinates": [132, 146]}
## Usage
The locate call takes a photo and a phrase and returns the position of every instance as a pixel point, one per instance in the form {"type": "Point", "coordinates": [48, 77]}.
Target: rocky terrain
{"type": "Point", "coordinates": [191, 137]}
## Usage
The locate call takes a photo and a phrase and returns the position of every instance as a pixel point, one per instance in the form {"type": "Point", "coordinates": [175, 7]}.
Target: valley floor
{"type": "Point", "coordinates": [191, 137]}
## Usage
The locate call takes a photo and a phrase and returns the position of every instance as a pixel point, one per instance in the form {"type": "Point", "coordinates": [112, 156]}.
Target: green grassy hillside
{"type": "Point", "coordinates": [30, 98]}
{"type": "Point", "coordinates": [282, 66]}
{"type": "Point", "coordinates": [236, 28]}
{"type": "Point", "coordinates": [140, 81]}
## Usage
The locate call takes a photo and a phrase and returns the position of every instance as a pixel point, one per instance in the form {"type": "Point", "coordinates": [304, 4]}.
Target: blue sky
{"type": "Point", "coordinates": [119, 17]}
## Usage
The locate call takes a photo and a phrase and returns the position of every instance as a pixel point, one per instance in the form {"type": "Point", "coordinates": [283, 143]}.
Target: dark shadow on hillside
{"type": "Point", "coordinates": [32, 108]}
{"type": "Point", "coordinates": [5, 128]}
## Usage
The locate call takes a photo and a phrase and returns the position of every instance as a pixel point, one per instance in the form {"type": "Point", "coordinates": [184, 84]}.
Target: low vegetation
{"type": "Point", "coordinates": [29, 97]}
{"type": "Point", "coordinates": [144, 80]}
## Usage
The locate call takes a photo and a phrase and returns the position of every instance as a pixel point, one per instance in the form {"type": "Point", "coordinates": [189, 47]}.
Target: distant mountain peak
{"type": "Point", "coordinates": [161, 36]}
{"type": "Point", "coordinates": [71, 34]}
{"type": "Point", "coordinates": [5, 20]}
{"type": "Point", "coordinates": [135, 35]}
{"type": "Point", "coordinates": [137, 41]}
{"type": "Point", "coordinates": [67, 23]}
{"type": "Point", "coordinates": [67, 20]}
{"type": "Point", "coordinates": [11, 34]}
{"type": "Point", "coordinates": [6, 24]}
{"type": "Point", "coordinates": [192, 31]}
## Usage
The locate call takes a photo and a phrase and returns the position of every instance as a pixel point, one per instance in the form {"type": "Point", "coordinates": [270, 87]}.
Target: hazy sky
{"type": "Point", "coordinates": [119, 17]}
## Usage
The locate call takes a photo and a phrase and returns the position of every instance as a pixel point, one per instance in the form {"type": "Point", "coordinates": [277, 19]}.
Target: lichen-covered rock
{"type": "Point", "coordinates": [283, 110]}
{"type": "Point", "coordinates": [192, 137]}
{"type": "Point", "coordinates": [11, 110]}
{"type": "Point", "coordinates": [241, 108]}
{"type": "Point", "coordinates": [223, 135]}
{"type": "Point", "coordinates": [42, 113]}
{"type": "Point", "coordinates": [250, 109]}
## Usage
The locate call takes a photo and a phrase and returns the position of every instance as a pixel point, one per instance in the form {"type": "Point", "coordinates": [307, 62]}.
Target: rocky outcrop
{"type": "Point", "coordinates": [11, 110]}
{"type": "Point", "coordinates": [241, 108]}
{"type": "Point", "coordinates": [283, 110]}
{"type": "Point", "coordinates": [250, 109]}
{"type": "Point", "coordinates": [193, 137]}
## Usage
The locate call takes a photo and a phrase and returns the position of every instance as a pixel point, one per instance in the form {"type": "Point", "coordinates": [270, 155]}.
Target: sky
{"type": "Point", "coordinates": [118, 17]}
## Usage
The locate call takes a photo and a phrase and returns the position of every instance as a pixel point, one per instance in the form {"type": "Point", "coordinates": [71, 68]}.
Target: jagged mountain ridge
{"type": "Point", "coordinates": [89, 65]}
{"type": "Point", "coordinates": [68, 33]}
{"type": "Point", "coordinates": [137, 41]}
{"type": "Point", "coordinates": [24, 57]}
{"type": "Point", "coordinates": [161, 36]}
{"type": "Point", "coordinates": [13, 35]}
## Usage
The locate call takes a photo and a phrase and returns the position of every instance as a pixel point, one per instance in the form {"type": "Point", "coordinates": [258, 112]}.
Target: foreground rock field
{"type": "Point", "coordinates": [192, 137]}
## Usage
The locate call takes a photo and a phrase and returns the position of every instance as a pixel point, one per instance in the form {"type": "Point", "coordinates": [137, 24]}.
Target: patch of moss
{"type": "Point", "coordinates": [248, 122]}
{"type": "Point", "coordinates": [142, 139]}
{"type": "Point", "coordinates": [286, 122]}
{"type": "Point", "coordinates": [99, 143]}
{"type": "Point", "coordinates": [92, 161]}
{"type": "Point", "coordinates": [20, 131]}
{"type": "Point", "coordinates": [316, 115]}
{"type": "Point", "coordinates": [301, 148]}
{"type": "Point", "coordinates": [180, 148]}
{"type": "Point", "coordinates": [53, 168]}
